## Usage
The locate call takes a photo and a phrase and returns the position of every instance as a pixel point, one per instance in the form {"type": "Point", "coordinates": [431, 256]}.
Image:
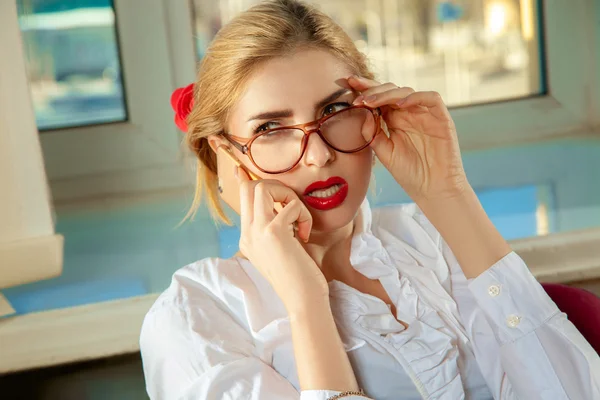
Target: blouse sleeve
{"type": "Point", "coordinates": [208, 356]}
{"type": "Point", "coordinates": [540, 354]}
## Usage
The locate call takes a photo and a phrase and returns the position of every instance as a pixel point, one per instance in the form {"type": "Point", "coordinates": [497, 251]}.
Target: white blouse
{"type": "Point", "coordinates": [221, 332]}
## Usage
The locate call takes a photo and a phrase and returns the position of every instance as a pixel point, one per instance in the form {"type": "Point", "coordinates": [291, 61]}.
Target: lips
{"type": "Point", "coordinates": [327, 203]}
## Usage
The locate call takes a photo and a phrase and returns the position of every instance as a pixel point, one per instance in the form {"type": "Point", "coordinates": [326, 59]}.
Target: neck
{"type": "Point", "coordinates": [331, 251]}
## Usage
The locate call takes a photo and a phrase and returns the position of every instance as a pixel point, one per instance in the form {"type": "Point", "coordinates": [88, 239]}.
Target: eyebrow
{"type": "Point", "coordinates": [288, 113]}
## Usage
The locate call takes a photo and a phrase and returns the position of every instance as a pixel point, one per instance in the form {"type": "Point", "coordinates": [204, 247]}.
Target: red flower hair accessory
{"type": "Point", "coordinates": [182, 101]}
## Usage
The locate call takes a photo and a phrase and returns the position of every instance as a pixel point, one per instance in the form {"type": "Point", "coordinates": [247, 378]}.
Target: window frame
{"type": "Point", "coordinates": [565, 109]}
{"type": "Point", "coordinates": [144, 152]}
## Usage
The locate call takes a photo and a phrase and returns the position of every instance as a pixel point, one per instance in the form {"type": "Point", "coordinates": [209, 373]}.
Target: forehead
{"type": "Point", "coordinates": [302, 78]}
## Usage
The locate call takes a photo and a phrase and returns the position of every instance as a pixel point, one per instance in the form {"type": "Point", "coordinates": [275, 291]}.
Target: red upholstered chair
{"type": "Point", "coordinates": [582, 308]}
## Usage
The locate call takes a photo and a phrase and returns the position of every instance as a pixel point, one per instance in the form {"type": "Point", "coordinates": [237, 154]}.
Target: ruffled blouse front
{"type": "Point", "coordinates": [428, 350]}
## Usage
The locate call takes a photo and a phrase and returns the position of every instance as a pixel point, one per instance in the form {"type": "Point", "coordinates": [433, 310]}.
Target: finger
{"type": "Point", "coordinates": [432, 100]}
{"type": "Point", "coordinates": [383, 147]}
{"type": "Point", "coordinates": [371, 93]}
{"type": "Point", "coordinates": [295, 212]}
{"type": "Point", "coordinates": [266, 194]}
{"type": "Point", "coordinates": [360, 83]}
{"type": "Point", "coordinates": [263, 204]}
{"type": "Point", "coordinates": [246, 198]}
{"type": "Point", "coordinates": [388, 97]}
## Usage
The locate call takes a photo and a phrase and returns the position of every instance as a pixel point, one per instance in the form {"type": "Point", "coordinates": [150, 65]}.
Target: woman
{"type": "Point", "coordinates": [326, 298]}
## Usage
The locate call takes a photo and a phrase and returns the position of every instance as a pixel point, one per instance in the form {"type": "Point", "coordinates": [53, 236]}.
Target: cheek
{"type": "Point", "coordinates": [355, 168]}
{"type": "Point", "coordinates": [360, 165]}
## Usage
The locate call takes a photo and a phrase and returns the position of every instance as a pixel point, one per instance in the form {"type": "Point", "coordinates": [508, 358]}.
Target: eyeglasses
{"type": "Point", "coordinates": [278, 150]}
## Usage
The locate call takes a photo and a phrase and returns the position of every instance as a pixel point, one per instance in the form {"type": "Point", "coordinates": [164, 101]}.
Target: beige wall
{"type": "Point", "coordinates": [29, 248]}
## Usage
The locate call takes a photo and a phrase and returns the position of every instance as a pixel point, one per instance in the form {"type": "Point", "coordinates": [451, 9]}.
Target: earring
{"type": "Point", "coordinates": [219, 187]}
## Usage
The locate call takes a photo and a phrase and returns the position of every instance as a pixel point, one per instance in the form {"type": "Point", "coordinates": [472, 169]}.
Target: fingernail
{"type": "Point", "coordinates": [358, 100]}
{"type": "Point", "coordinates": [370, 99]}
{"type": "Point", "coordinates": [401, 101]}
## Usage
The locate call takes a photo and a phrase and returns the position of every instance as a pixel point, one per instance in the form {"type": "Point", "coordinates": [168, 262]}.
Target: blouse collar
{"type": "Point", "coordinates": [406, 271]}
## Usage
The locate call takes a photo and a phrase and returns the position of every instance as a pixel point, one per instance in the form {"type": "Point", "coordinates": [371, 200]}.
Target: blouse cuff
{"type": "Point", "coordinates": [325, 394]}
{"type": "Point", "coordinates": [512, 298]}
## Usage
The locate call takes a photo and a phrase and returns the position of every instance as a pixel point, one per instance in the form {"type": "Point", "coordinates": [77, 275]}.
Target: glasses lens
{"type": "Point", "coordinates": [277, 150]}
{"type": "Point", "coordinates": [350, 129]}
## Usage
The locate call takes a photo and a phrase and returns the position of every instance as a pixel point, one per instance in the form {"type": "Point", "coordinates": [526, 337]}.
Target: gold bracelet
{"type": "Point", "coordinates": [348, 393]}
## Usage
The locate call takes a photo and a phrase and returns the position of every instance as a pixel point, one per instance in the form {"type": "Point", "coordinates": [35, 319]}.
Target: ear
{"type": "Point", "coordinates": [214, 141]}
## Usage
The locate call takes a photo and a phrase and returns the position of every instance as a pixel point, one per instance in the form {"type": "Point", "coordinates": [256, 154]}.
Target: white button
{"type": "Point", "coordinates": [513, 321]}
{"type": "Point", "coordinates": [494, 290]}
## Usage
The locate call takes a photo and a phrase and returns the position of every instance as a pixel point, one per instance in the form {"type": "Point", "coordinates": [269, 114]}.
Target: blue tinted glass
{"type": "Point", "coordinates": [72, 60]}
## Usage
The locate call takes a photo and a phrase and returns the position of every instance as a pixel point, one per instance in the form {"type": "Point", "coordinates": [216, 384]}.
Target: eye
{"type": "Point", "coordinates": [265, 127]}
{"type": "Point", "coordinates": [335, 107]}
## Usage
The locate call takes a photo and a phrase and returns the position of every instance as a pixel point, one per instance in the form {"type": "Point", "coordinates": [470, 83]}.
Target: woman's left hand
{"type": "Point", "coordinates": [422, 151]}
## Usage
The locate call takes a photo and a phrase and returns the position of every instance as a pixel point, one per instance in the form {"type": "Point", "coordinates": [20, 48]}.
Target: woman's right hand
{"type": "Point", "coordinates": [269, 240]}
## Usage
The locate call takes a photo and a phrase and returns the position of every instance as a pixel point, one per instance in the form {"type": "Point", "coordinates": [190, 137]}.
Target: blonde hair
{"type": "Point", "coordinates": [268, 30]}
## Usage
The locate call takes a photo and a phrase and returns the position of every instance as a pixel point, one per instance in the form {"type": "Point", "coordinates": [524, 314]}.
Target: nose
{"type": "Point", "coordinates": [317, 152]}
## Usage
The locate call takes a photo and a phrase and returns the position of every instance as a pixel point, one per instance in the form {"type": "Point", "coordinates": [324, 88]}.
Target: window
{"type": "Point", "coordinates": [471, 51]}
{"type": "Point", "coordinates": [72, 60]}
{"type": "Point", "coordinates": [107, 105]}
{"type": "Point", "coordinates": [490, 55]}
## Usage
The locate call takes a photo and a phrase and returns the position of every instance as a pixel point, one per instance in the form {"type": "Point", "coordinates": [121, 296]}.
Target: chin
{"type": "Point", "coordinates": [336, 218]}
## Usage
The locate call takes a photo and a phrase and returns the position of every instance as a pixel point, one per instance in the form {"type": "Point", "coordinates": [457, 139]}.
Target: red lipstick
{"type": "Point", "coordinates": [329, 202]}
